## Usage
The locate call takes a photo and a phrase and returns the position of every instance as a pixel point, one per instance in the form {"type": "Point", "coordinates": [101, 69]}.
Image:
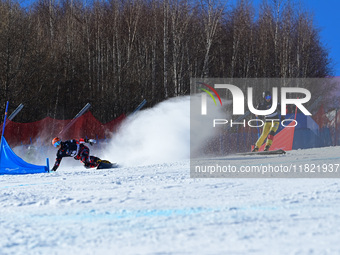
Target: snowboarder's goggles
{"type": "Point", "coordinates": [268, 97]}
{"type": "Point", "coordinates": [56, 144]}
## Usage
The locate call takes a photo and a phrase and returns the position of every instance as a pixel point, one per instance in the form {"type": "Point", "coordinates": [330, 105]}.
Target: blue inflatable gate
{"type": "Point", "coordinates": [10, 163]}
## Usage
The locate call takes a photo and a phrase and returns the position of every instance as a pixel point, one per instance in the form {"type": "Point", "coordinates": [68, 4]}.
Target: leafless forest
{"type": "Point", "coordinates": [57, 55]}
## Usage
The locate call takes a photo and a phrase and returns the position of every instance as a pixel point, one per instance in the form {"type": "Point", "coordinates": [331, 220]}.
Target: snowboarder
{"type": "Point", "coordinates": [77, 149]}
{"type": "Point", "coordinates": [271, 122]}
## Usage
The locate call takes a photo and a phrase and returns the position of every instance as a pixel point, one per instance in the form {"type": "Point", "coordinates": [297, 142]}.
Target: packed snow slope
{"type": "Point", "coordinates": [147, 207]}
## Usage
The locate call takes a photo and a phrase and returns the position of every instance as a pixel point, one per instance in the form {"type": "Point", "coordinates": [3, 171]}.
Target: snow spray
{"type": "Point", "coordinates": [157, 135]}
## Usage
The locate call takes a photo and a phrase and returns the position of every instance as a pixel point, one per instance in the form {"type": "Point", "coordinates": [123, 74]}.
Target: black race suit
{"type": "Point", "coordinates": [77, 150]}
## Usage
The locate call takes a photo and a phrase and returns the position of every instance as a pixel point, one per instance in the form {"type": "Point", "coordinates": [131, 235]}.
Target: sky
{"type": "Point", "coordinates": [326, 14]}
{"type": "Point", "coordinates": [326, 18]}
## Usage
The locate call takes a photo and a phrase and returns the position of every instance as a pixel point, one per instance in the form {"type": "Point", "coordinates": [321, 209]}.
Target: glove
{"type": "Point", "coordinates": [91, 141]}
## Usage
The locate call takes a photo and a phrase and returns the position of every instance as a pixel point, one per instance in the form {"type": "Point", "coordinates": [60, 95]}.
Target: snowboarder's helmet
{"type": "Point", "coordinates": [267, 95]}
{"type": "Point", "coordinates": [56, 141]}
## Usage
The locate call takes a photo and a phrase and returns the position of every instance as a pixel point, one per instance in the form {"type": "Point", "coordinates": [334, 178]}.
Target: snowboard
{"type": "Point", "coordinates": [275, 152]}
{"type": "Point", "coordinates": [105, 164]}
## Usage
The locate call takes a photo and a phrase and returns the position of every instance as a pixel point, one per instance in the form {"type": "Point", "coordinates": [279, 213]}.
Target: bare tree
{"type": "Point", "coordinates": [212, 12]}
{"type": "Point", "coordinates": [55, 56]}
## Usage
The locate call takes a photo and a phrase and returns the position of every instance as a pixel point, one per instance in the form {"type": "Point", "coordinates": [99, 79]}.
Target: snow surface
{"type": "Point", "coordinates": [150, 207]}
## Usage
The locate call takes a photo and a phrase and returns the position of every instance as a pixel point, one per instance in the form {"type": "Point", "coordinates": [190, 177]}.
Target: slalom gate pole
{"type": "Point", "coordinates": [16, 111]}
{"type": "Point", "coordinates": [295, 112]}
{"type": "Point", "coordinates": [82, 111]}
{"type": "Point", "coordinates": [336, 127]}
{"type": "Point", "coordinates": [3, 131]}
{"type": "Point", "coordinates": [4, 125]}
{"type": "Point", "coordinates": [139, 107]}
{"type": "Point", "coordinates": [258, 130]}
